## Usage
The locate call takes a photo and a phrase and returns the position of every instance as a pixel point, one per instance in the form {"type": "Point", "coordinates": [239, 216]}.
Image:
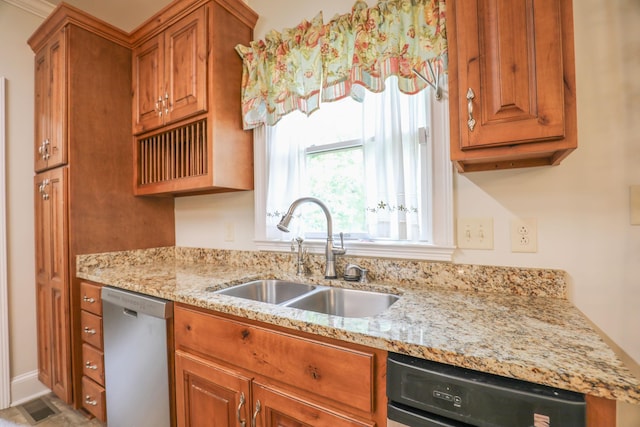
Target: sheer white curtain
{"type": "Point", "coordinates": [285, 171]}
{"type": "Point", "coordinates": [393, 126]}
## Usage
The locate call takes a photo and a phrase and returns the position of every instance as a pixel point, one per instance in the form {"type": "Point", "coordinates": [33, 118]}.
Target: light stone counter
{"type": "Point", "coordinates": [506, 321]}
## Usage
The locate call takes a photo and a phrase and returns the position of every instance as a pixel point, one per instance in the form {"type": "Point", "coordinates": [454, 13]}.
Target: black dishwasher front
{"type": "Point", "coordinates": [422, 393]}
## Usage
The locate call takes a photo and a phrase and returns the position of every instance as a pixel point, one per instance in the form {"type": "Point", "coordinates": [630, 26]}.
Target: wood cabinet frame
{"type": "Point", "coordinates": [95, 208]}
{"type": "Point", "coordinates": [168, 159]}
{"type": "Point", "coordinates": [519, 62]}
{"type": "Point", "coordinates": [295, 376]}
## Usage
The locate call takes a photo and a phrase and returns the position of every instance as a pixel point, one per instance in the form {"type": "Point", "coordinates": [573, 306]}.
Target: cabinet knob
{"type": "Point", "coordinates": [471, 122]}
{"type": "Point", "coordinates": [90, 401]}
{"type": "Point", "coordinates": [89, 331]}
{"type": "Point", "coordinates": [42, 189]}
{"type": "Point", "coordinates": [158, 106]}
{"type": "Point", "coordinates": [43, 150]}
{"type": "Point", "coordinates": [88, 299]}
{"type": "Point", "coordinates": [88, 365]}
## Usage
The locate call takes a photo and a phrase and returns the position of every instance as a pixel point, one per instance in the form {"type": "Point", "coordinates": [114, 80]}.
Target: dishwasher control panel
{"type": "Point", "coordinates": [476, 398]}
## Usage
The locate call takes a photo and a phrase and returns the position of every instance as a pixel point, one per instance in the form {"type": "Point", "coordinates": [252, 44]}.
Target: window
{"type": "Point", "coordinates": [381, 166]}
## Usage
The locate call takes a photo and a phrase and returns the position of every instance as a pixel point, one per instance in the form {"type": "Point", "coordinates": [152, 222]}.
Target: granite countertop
{"type": "Point", "coordinates": [537, 338]}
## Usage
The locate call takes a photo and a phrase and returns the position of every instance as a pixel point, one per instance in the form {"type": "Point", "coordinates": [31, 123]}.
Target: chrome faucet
{"type": "Point", "coordinates": [330, 252]}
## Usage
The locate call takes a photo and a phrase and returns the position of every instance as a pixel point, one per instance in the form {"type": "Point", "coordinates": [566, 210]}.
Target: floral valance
{"type": "Point", "coordinates": [299, 68]}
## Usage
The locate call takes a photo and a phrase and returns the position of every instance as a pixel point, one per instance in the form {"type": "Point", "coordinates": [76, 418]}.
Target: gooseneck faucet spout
{"type": "Point", "coordinates": [330, 251]}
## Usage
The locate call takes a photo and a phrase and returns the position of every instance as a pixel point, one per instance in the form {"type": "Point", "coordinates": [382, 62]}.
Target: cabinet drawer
{"type": "Point", "coordinates": [93, 363]}
{"type": "Point", "coordinates": [340, 374]}
{"type": "Point", "coordinates": [90, 298]}
{"type": "Point", "coordinates": [91, 327]}
{"type": "Point", "coordinates": [93, 398]}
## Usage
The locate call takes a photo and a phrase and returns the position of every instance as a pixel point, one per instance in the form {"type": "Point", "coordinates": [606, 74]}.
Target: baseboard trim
{"type": "Point", "coordinates": [26, 387]}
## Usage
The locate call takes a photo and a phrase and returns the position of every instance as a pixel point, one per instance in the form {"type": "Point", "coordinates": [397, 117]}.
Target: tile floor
{"type": "Point", "coordinates": [12, 417]}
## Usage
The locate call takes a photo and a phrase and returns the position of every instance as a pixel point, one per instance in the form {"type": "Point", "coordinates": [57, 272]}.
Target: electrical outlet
{"type": "Point", "coordinates": [229, 232]}
{"type": "Point", "coordinates": [524, 235]}
{"type": "Point", "coordinates": [475, 233]}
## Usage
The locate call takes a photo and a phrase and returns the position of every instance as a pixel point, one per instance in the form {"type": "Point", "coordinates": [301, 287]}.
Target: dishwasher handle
{"type": "Point", "coordinates": [137, 303]}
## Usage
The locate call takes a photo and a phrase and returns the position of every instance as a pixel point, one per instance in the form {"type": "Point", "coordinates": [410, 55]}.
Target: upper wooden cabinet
{"type": "Point", "coordinates": [169, 74]}
{"type": "Point", "coordinates": [186, 99]}
{"type": "Point", "coordinates": [50, 106]}
{"type": "Point", "coordinates": [512, 83]}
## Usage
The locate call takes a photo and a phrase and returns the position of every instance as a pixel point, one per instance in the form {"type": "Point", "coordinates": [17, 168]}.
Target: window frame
{"type": "Point", "coordinates": [441, 220]}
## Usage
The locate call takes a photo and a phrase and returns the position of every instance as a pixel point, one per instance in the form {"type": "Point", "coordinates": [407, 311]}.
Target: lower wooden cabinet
{"type": "Point", "coordinates": [209, 394]}
{"type": "Point", "coordinates": [232, 371]}
{"type": "Point", "coordinates": [93, 391]}
{"type": "Point", "coordinates": [273, 407]}
{"type": "Point", "coordinates": [52, 286]}
{"type": "Point", "coordinates": [93, 398]}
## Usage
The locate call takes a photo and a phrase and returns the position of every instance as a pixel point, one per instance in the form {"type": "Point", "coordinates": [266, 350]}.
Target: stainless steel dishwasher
{"type": "Point", "coordinates": [136, 358]}
{"type": "Point", "coordinates": [422, 393]}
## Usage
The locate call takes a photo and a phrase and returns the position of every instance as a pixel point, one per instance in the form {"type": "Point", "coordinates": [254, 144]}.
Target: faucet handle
{"type": "Point", "coordinates": [296, 244]}
{"type": "Point", "coordinates": [341, 250]}
{"type": "Point", "coordinates": [355, 273]}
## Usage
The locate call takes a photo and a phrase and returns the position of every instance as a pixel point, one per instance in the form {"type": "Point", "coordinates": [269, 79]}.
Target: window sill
{"type": "Point", "coordinates": [368, 249]}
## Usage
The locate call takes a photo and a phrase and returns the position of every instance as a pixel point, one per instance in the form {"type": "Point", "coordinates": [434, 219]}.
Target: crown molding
{"type": "Point", "coordinates": [41, 8]}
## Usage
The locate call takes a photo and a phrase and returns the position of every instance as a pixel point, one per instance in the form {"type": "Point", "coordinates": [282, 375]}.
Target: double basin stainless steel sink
{"type": "Point", "coordinates": [321, 299]}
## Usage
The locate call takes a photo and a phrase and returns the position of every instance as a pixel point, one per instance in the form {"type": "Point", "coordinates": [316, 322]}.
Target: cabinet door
{"type": "Point", "coordinates": [50, 104]}
{"type": "Point", "coordinates": [148, 85]}
{"type": "Point", "coordinates": [52, 282]}
{"type": "Point", "coordinates": [511, 59]}
{"type": "Point", "coordinates": [51, 228]}
{"type": "Point", "coordinates": [41, 109]}
{"type": "Point", "coordinates": [511, 83]}
{"type": "Point", "coordinates": [43, 324]}
{"type": "Point", "coordinates": [186, 66]}
{"type": "Point", "coordinates": [274, 408]}
{"type": "Point", "coordinates": [209, 395]}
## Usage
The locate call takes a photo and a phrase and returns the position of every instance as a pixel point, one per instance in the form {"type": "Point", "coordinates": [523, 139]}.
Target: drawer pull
{"type": "Point", "coordinates": [88, 299]}
{"type": "Point", "coordinates": [89, 331]}
{"type": "Point", "coordinates": [242, 422]}
{"type": "Point", "coordinates": [471, 123]}
{"type": "Point", "coordinates": [88, 365]}
{"type": "Point", "coordinates": [89, 401]}
{"type": "Point", "coordinates": [255, 414]}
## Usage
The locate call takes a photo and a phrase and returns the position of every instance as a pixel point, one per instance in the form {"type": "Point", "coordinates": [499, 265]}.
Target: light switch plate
{"type": "Point", "coordinates": [475, 233]}
{"type": "Point", "coordinates": [634, 204]}
{"type": "Point", "coordinates": [229, 232]}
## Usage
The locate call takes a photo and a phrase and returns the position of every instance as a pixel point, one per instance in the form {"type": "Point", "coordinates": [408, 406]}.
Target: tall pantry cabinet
{"type": "Point", "coordinates": [84, 201]}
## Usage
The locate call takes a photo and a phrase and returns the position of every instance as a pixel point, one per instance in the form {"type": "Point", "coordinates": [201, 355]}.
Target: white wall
{"type": "Point", "coordinates": [581, 206]}
{"type": "Point", "coordinates": [16, 64]}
